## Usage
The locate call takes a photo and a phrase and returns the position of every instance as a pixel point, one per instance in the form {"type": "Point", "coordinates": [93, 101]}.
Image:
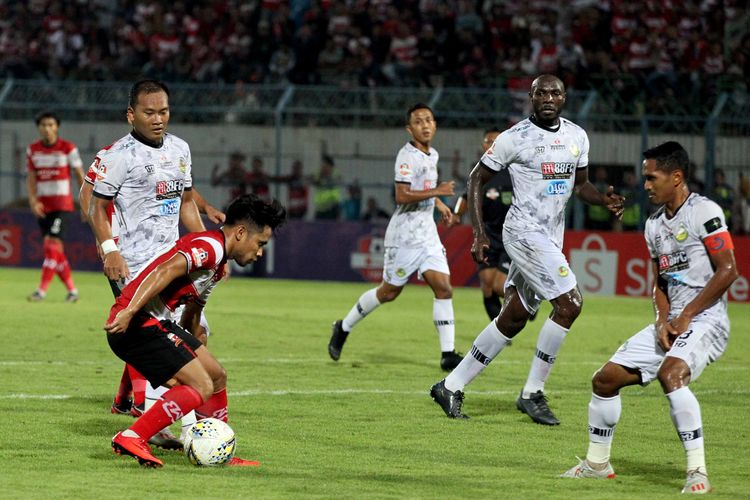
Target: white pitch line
{"type": "Point", "coordinates": [341, 392]}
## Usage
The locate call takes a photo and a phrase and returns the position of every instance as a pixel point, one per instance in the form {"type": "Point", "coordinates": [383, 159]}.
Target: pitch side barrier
{"type": "Point", "coordinates": [605, 263]}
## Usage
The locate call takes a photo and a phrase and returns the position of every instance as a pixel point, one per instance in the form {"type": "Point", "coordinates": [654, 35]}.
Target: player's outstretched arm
{"type": "Point", "coordinates": [214, 214]}
{"type": "Point", "coordinates": [405, 194]}
{"type": "Point", "coordinates": [588, 193]}
{"type": "Point", "coordinates": [478, 177]}
{"type": "Point", "coordinates": [156, 281]}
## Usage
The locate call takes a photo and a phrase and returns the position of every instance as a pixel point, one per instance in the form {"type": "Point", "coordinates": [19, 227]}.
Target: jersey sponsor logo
{"type": "Point", "coordinates": [170, 207]}
{"type": "Point", "coordinates": [681, 234]}
{"type": "Point", "coordinates": [557, 147]}
{"type": "Point", "coordinates": [199, 255]}
{"type": "Point", "coordinates": [166, 190]}
{"type": "Point", "coordinates": [555, 188]}
{"type": "Point", "coordinates": [557, 169]}
{"type": "Point", "coordinates": [673, 262]}
{"type": "Point", "coordinates": [540, 149]}
{"type": "Point", "coordinates": [712, 225]}
{"type": "Point", "coordinates": [404, 169]}
{"type": "Point", "coordinates": [149, 169]}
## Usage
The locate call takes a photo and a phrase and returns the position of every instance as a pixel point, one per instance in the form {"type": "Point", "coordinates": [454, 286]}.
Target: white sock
{"type": "Point", "coordinates": [604, 413]}
{"type": "Point", "coordinates": [153, 394]}
{"type": "Point", "coordinates": [547, 346]}
{"type": "Point", "coordinates": [442, 316]}
{"type": "Point", "coordinates": [686, 416]}
{"type": "Point", "coordinates": [486, 347]}
{"type": "Point", "coordinates": [367, 303]}
{"type": "Point", "coordinates": [186, 423]}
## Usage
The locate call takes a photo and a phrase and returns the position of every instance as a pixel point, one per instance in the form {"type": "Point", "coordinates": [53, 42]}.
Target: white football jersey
{"type": "Point", "coordinates": [412, 225]}
{"type": "Point", "coordinates": [678, 246]}
{"type": "Point", "coordinates": [542, 165]}
{"type": "Point", "coordinates": [147, 185]}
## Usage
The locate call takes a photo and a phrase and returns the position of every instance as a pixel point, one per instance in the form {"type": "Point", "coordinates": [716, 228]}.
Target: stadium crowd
{"type": "Point", "coordinates": [667, 47]}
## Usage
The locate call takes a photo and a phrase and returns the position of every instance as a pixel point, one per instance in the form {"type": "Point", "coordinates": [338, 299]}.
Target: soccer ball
{"type": "Point", "coordinates": [210, 442]}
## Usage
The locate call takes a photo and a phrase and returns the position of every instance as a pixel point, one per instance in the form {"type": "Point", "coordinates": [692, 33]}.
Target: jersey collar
{"type": "Point", "coordinates": [138, 137]}
{"type": "Point", "coordinates": [532, 119]}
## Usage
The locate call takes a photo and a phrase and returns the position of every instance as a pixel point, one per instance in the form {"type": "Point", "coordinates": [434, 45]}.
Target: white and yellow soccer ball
{"type": "Point", "coordinates": [210, 442]}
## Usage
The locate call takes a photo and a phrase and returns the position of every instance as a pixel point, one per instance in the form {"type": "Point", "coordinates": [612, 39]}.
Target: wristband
{"type": "Point", "coordinates": [108, 246]}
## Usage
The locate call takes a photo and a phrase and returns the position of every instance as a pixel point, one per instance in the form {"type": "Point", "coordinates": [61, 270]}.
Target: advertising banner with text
{"type": "Point", "coordinates": [604, 263]}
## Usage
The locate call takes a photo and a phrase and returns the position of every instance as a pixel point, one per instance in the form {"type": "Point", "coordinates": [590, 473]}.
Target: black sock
{"type": "Point", "coordinates": [492, 305]}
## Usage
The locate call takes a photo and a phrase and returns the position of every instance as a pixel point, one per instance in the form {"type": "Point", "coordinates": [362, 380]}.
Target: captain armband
{"type": "Point", "coordinates": [715, 243]}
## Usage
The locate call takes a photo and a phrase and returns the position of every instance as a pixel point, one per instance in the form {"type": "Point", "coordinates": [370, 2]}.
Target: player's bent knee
{"type": "Point", "coordinates": [673, 374]}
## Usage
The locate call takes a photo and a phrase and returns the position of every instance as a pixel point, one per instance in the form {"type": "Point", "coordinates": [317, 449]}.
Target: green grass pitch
{"type": "Point", "coordinates": [362, 427]}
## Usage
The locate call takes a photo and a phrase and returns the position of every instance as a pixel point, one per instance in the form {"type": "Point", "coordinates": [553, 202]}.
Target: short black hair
{"type": "Point", "coordinates": [145, 87]}
{"type": "Point", "coordinates": [415, 107]}
{"type": "Point", "coordinates": [47, 114]}
{"type": "Point", "coordinates": [259, 213]}
{"type": "Point", "coordinates": [669, 156]}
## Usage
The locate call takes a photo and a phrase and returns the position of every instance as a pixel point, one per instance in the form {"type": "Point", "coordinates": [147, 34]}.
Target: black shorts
{"type": "Point", "coordinates": [496, 255]}
{"type": "Point", "coordinates": [53, 224]}
{"type": "Point", "coordinates": [158, 351]}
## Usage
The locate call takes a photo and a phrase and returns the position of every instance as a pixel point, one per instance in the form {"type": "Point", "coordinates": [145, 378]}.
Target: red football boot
{"type": "Point", "coordinates": [135, 447]}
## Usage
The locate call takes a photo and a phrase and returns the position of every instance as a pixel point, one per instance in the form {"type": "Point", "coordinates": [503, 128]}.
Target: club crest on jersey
{"type": "Point", "coordinates": [574, 150]}
{"type": "Point", "coordinates": [670, 263]}
{"type": "Point", "coordinates": [681, 234]}
{"type": "Point", "coordinates": [563, 271]}
{"type": "Point", "coordinates": [404, 169]}
{"type": "Point", "coordinates": [557, 169]}
{"type": "Point", "coordinates": [183, 165]}
{"type": "Point", "coordinates": [400, 272]}
{"type": "Point", "coordinates": [199, 256]}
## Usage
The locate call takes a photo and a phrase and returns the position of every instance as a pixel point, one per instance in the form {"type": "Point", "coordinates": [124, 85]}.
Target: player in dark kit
{"type": "Point", "coordinates": [497, 195]}
{"type": "Point", "coordinates": [142, 328]}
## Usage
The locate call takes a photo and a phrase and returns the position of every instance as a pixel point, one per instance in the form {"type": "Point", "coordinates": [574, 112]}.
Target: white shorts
{"type": "Point", "coordinates": [538, 270]}
{"type": "Point", "coordinates": [400, 263]}
{"type": "Point", "coordinates": [703, 343]}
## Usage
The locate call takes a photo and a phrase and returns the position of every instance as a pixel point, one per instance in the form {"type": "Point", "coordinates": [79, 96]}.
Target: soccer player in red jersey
{"type": "Point", "coordinates": [49, 162]}
{"type": "Point", "coordinates": [143, 331]}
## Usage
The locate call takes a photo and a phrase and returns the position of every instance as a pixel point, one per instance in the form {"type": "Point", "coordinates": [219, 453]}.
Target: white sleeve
{"type": "Point", "coordinates": [707, 219]}
{"type": "Point", "coordinates": [583, 157]}
{"type": "Point", "coordinates": [188, 169]}
{"type": "Point", "coordinates": [501, 153]}
{"type": "Point", "coordinates": [649, 240]}
{"type": "Point", "coordinates": [74, 158]}
{"type": "Point", "coordinates": [404, 167]}
{"type": "Point", "coordinates": [113, 171]}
